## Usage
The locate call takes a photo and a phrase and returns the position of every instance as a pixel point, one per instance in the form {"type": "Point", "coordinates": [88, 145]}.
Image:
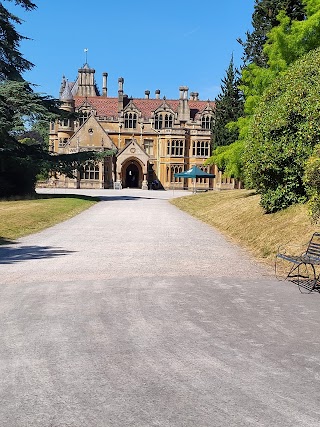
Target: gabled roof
{"type": "Point", "coordinates": [148, 106]}
{"type": "Point", "coordinates": [131, 106]}
{"type": "Point", "coordinates": [105, 106]}
{"type": "Point", "coordinates": [107, 141]}
{"type": "Point", "coordinates": [139, 152]}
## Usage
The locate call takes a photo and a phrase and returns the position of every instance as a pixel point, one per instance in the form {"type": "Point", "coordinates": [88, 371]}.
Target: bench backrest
{"type": "Point", "coordinates": [313, 249]}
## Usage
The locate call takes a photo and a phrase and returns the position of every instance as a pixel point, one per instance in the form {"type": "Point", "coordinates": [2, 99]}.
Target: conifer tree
{"type": "Point", "coordinates": [12, 63]}
{"type": "Point", "coordinates": [229, 107]}
{"type": "Point", "coordinates": [264, 18]}
{"type": "Point", "coordinates": [20, 158]}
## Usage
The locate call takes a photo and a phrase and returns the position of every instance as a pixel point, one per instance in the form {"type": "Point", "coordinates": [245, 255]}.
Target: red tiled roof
{"type": "Point", "coordinates": [147, 106]}
{"type": "Point", "coordinates": [103, 106]}
{"type": "Point", "coordinates": [200, 105]}
{"type": "Point", "coordinates": [109, 106]}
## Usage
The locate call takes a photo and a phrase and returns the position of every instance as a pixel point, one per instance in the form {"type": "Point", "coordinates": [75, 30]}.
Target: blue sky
{"type": "Point", "coordinates": [152, 45]}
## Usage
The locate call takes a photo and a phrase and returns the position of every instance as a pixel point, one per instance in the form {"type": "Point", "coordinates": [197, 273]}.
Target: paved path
{"type": "Point", "coordinates": [135, 314]}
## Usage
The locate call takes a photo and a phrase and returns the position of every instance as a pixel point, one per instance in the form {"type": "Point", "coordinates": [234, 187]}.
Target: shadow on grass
{"type": "Point", "coordinates": [10, 254]}
{"type": "Point", "coordinates": [250, 194]}
{"type": "Point", "coordinates": [51, 196]}
{"type": "Point", "coordinates": [4, 241]}
{"type": "Point", "coordinates": [67, 196]}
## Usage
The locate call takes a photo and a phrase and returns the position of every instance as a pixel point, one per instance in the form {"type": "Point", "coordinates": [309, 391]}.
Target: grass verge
{"type": "Point", "coordinates": [238, 215]}
{"type": "Point", "coordinates": [21, 217]}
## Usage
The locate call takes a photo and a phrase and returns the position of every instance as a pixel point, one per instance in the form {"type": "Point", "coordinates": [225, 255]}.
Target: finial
{"type": "Point", "coordinates": [86, 54]}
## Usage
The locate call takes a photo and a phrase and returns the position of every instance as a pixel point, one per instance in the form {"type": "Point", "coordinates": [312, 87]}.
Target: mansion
{"type": "Point", "coordinates": [149, 138]}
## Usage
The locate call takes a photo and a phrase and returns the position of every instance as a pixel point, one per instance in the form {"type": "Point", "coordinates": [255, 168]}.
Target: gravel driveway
{"type": "Point", "coordinates": [135, 314]}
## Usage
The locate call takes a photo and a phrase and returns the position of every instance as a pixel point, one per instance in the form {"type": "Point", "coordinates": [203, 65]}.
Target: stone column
{"type": "Point", "coordinates": [101, 174]}
{"type": "Point", "coordinates": [145, 177]}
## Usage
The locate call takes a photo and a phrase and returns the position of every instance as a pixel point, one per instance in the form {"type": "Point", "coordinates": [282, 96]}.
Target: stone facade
{"type": "Point", "coordinates": [152, 138]}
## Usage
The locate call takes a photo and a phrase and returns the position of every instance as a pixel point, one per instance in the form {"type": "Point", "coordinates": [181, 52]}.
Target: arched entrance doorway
{"type": "Point", "coordinates": [132, 175]}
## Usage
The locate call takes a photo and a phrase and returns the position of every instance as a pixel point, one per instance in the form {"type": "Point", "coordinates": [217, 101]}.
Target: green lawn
{"type": "Point", "coordinates": [238, 215]}
{"type": "Point", "coordinates": [22, 217]}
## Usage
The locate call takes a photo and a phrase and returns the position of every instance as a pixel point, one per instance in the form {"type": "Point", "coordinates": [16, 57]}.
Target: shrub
{"type": "Point", "coordinates": [283, 133]}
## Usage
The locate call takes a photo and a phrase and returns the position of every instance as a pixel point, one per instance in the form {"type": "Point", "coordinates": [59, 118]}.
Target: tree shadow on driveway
{"type": "Point", "coordinates": [10, 254]}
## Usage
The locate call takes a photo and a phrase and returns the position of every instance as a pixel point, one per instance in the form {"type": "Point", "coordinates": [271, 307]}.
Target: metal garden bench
{"type": "Point", "coordinates": [301, 269]}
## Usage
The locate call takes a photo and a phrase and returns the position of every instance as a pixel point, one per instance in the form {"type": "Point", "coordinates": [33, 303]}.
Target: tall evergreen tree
{"type": "Point", "coordinates": [229, 107]}
{"type": "Point", "coordinates": [264, 18]}
{"type": "Point", "coordinates": [12, 63]}
{"type": "Point", "coordinates": [21, 159]}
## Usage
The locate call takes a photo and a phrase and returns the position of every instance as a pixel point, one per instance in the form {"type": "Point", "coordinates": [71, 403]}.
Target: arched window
{"type": "Point", "coordinates": [90, 172]}
{"type": "Point", "coordinates": [168, 121]}
{"type": "Point", "coordinates": [207, 122]}
{"type": "Point", "coordinates": [176, 169]}
{"type": "Point", "coordinates": [158, 121]}
{"type": "Point", "coordinates": [130, 120]}
{"type": "Point", "coordinates": [163, 120]}
{"type": "Point", "coordinates": [175, 148]}
{"type": "Point", "coordinates": [201, 148]}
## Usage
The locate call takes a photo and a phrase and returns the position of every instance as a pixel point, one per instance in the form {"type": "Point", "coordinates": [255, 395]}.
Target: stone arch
{"type": "Point", "coordinates": [132, 173]}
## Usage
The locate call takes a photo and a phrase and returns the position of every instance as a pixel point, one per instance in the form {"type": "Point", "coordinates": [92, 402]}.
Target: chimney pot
{"type": "Point", "coordinates": [104, 84]}
{"type": "Point", "coordinates": [120, 84]}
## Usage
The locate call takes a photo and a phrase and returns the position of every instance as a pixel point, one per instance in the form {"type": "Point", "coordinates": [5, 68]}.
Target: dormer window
{"type": "Point", "coordinates": [130, 120]}
{"type": "Point", "coordinates": [207, 122]}
{"type": "Point", "coordinates": [168, 121]}
{"type": "Point", "coordinates": [158, 121]}
{"type": "Point", "coordinates": [162, 120]}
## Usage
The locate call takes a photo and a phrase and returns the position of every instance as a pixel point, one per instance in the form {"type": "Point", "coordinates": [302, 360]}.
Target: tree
{"type": "Point", "coordinates": [228, 158]}
{"type": "Point", "coordinates": [264, 18]}
{"type": "Point", "coordinates": [283, 134]}
{"type": "Point", "coordinates": [285, 43]}
{"type": "Point", "coordinates": [229, 107]}
{"type": "Point", "coordinates": [22, 158]}
{"type": "Point", "coordinates": [20, 161]}
{"type": "Point", "coordinates": [12, 63]}
{"type": "Point", "coordinates": [312, 183]}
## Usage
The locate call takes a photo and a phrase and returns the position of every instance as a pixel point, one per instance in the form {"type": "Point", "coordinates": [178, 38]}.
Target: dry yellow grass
{"type": "Point", "coordinates": [238, 215]}
{"type": "Point", "coordinates": [21, 217]}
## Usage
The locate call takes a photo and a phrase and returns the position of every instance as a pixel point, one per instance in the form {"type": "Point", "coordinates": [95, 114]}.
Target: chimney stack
{"type": "Point", "coordinates": [120, 84]}
{"type": "Point", "coordinates": [157, 94]}
{"type": "Point", "coordinates": [146, 94]}
{"type": "Point", "coordinates": [104, 84]}
{"type": "Point", "coordinates": [120, 93]}
{"type": "Point", "coordinates": [183, 108]}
